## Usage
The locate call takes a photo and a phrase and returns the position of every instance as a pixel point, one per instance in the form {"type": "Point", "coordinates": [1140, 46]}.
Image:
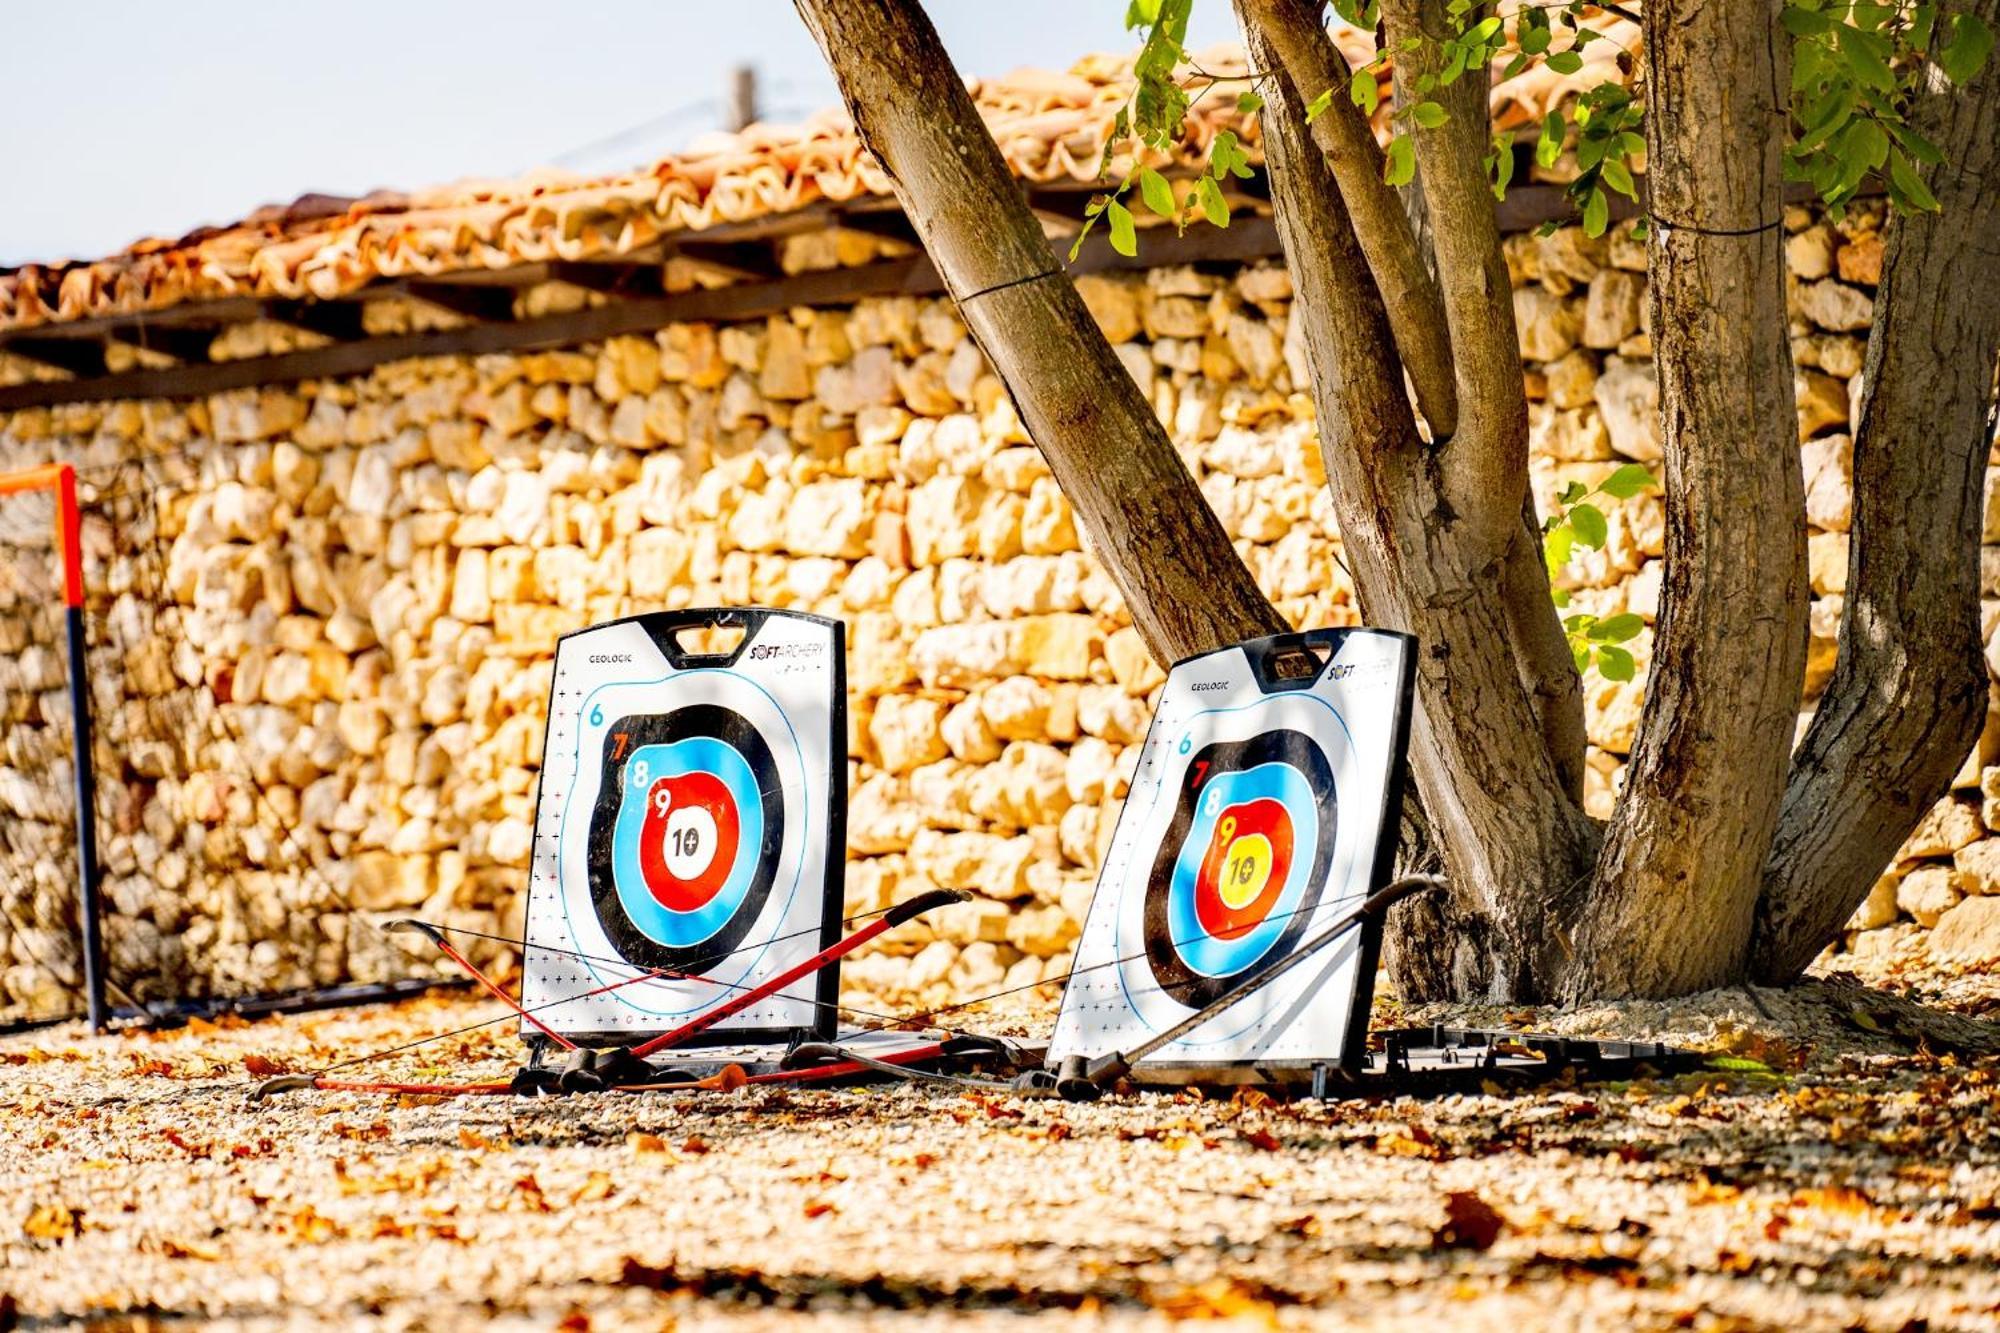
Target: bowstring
{"type": "Point", "coordinates": [889, 1022]}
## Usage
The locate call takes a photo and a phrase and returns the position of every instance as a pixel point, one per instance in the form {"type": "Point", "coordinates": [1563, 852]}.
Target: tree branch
{"type": "Point", "coordinates": [1416, 308]}
{"type": "Point", "coordinates": [1487, 472]}
{"type": "Point", "coordinates": [1491, 470]}
{"type": "Point", "coordinates": [1511, 838]}
{"type": "Point", "coordinates": [1908, 693]}
{"type": "Point", "coordinates": [1139, 509]}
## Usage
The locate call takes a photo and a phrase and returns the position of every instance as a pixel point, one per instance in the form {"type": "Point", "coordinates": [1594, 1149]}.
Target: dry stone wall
{"type": "Point", "coordinates": [358, 584]}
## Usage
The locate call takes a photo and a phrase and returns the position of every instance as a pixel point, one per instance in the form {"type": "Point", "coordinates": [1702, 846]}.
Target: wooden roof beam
{"type": "Point", "coordinates": [81, 357]}
{"type": "Point", "coordinates": [337, 320]}
{"type": "Point", "coordinates": [746, 261]}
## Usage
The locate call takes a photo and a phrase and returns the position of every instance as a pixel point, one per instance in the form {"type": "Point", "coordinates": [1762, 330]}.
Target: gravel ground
{"type": "Point", "coordinates": [1854, 1186]}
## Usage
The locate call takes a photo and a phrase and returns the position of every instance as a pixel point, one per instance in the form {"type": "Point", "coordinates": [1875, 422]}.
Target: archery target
{"type": "Point", "coordinates": [687, 810]}
{"type": "Point", "coordinates": [1260, 811]}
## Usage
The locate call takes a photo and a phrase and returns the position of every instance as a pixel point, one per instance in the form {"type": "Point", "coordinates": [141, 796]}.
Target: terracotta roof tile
{"type": "Point", "coordinates": [1050, 126]}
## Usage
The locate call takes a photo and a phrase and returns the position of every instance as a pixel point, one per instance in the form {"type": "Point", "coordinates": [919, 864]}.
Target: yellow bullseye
{"type": "Point", "coordinates": [1246, 869]}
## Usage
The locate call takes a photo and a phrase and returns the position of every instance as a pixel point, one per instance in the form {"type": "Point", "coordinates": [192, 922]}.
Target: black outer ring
{"type": "Point", "coordinates": [735, 731]}
{"type": "Point", "coordinates": [1181, 982]}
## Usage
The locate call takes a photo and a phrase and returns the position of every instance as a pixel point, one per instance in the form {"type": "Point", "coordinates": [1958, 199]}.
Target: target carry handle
{"type": "Point", "coordinates": [1085, 1081]}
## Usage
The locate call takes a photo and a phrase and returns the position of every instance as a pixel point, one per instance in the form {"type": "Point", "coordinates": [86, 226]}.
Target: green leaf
{"type": "Point", "coordinates": [1500, 165]}
{"type": "Point", "coordinates": [1401, 167]}
{"type": "Point", "coordinates": [1916, 145]}
{"type": "Point", "coordinates": [1124, 236]}
{"type": "Point", "coordinates": [1867, 56]}
{"type": "Point", "coordinates": [1159, 195]}
{"type": "Point", "coordinates": [1319, 104]}
{"type": "Point", "coordinates": [1909, 187]}
{"type": "Point", "coordinates": [1591, 528]}
{"type": "Point", "coordinates": [1571, 493]}
{"type": "Point", "coordinates": [1565, 62]}
{"type": "Point", "coordinates": [1363, 89]}
{"type": "Point", "coordinates": [1738, 1064]}
{"type": "Point", "coordinates": [1804, 22]}
{"type": "Point", "coordinates": [1579, 653]}
{"type": "Point", "coordinates": [1628, 481]}
{"type": "Point", "coordinates": [1559, 597]}
{"type": "Point", "coordinates": [1863, 146]}
{"type": "Point", "coordinates": [1428, 114]}
{"type": "Point", "coordinates": [1619, 177]}
{"type": "Point", "coordinates": [1618, 628]}
{"type": "Point", "coordinates": [1596, 213]}
{"type": "Point", "coordinates": [1615, 663]}
{"type": "Point", "coordinates": [1550, 145]}
{"type": "Point", "coordinates": [1247, 103]}
{"type": "Point", "coordinates": [1213, 206]}
{"type": "Point", "coordinates": [1965, 48]}
{"type": "Point", "coordinates": [1558, 543]}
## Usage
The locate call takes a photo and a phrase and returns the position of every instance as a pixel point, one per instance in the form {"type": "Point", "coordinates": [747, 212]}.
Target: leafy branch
{"type": "Point", "coordinates": [1856, 69]}
{"type": "Point", "coordinates": [1575, 522]}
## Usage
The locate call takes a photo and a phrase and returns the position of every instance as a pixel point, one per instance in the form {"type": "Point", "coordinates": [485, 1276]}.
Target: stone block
{"type": "Point", "coordinates": [1927, 893]}
{"type": "Point", "coordinates": [1879, 908]}
{"type": "Point", "coordinates": [1968, 933]}
{"type": "Point", "coordinates": [1949, 825]}
{"type": "Point", "coordinates": [1628, 398]}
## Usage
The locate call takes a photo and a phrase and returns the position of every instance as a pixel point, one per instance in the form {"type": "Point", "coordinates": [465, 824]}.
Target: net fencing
{"type": "Point", "coordinates": [41, 965]}
{"type": "Point", "coordinates": [213, 888]}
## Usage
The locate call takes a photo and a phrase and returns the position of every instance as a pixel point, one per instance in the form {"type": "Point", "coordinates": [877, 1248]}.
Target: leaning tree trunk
{"type": "Point", "coordinates": [1140, 509]}
{"type": "Point", "coordinates": [1677, 884]}
{"type": "Point", "coordinates": [1427, 526]}
{"type": "Point", "coordinates": [1908, 692]}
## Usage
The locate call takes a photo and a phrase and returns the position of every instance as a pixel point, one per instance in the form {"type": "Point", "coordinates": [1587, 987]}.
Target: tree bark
{"type": "Point", "coordinates": [1313, 64]}
{"type": "Point", "coordinates": [1139, 508]}
{"type": "Point", "coordinates": [1676, 887]}
{"type": "Point", "coordinates": [1513, 842]}
{"type": "Point", "coordinates": [1908, 692]}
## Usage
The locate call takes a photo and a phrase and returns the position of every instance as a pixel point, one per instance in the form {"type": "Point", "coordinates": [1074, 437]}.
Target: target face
{"type": "Point", "coordinates": [1260, 810]}
{"type": "Point", "coordinates": [685, 837]}
{"type": "Point", "coordinates": [687, 807]}
{"type": "Point", "coordinates": [1240, 870]}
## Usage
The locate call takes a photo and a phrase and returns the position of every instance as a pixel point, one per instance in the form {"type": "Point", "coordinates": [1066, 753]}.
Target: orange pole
{"type": "Point", "coordinates": [60, 478]}
{"type": "Point", "coordinates": [34, 478]}
{"type": "Point", "coordinates": [69, 530]}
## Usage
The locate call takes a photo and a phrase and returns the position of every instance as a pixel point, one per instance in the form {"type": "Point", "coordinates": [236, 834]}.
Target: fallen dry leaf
{"type": "Point", "coordinates": [1470, 1223]}
{"type": "Point", "coordinates": [53, 1221]}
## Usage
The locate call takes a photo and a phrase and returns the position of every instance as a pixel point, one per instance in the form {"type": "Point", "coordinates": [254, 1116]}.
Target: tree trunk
{"type": "Point", "coordinates": [1676, 887]}
{"type": "Point", "coordinates": [1513, 842]}
{"type": "Point", "coordinates": [1908, 693]}
{"type": "Point", "coordinates": [1139, 508]}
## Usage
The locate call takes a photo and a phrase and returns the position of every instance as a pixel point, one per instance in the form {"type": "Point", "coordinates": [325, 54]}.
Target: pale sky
{"type": "Point", "coordinates": [120, 119]}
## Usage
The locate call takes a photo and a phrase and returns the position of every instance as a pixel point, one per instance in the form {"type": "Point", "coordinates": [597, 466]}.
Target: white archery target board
{"type": "Point", "coordinates": [1262, 808]}
{"type": "Point", "coordinates": [691, 820]}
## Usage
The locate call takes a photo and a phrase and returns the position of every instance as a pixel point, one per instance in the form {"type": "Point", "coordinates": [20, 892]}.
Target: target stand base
{"type": "Point", "coordinates": [1437, 1061]}
{"type": "Point", "coordinates": [774, 1063]}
